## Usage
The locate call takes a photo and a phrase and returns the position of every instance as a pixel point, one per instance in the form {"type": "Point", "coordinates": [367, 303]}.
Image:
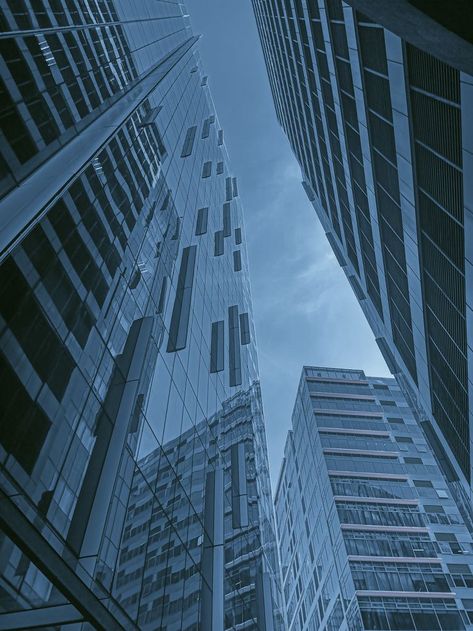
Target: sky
{"type": "Point", "coordinates": [305, 310]}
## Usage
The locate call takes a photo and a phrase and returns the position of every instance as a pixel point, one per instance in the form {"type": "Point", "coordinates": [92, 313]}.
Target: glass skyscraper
{"type": "Point", "coordinates": [376, 99]}
{"type": "Point", "coordinates": [370, 536]}
{"type": "Point", "coordinates": [218, 463]}
{"type": "Point", "coordinates": [133, 468]}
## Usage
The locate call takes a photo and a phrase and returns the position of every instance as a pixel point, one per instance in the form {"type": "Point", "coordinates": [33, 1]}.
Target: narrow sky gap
{"type": "Point", "coordinates": [305, 311]}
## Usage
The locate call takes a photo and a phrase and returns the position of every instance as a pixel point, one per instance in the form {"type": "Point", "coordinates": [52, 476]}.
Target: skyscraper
{"type": "Point", "coordinates": [370, 536]}
{"type": "Point", "coordinates": [157, 575]}
{"type": "Point", "coordinates": [379, 120]}
{"type": "Point", "coordinates": [129, 379]}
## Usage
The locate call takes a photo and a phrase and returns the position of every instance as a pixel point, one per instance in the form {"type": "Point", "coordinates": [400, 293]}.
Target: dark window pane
{"type": "Point", "coordinates": [182, 302]}
{"type": "Point", "coordinates": [188, 142]}
{"type": "Point", "coordinates": [217, 347]}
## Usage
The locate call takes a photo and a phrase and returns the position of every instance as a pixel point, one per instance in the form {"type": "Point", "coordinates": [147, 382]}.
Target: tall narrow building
{"type": "Point", "coordinates": [370, 535]}
{"type": "Point", "coordinates": [134, 484]}
{"type": "Point", "coordinates": [376, 98]}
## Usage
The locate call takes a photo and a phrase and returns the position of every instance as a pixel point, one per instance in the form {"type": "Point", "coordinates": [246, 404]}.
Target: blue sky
{"type": "Point", "coordinates": [304, 308]}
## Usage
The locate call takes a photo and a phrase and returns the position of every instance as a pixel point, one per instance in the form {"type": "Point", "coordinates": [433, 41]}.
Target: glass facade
{"type": "Point", "coordinates": [172, 529]}
{"type": "Point", "coordinates": [133, 468]}
{"type": "Point", "coordinates": [382, 130]}
{"type": "Point", "coordinates": [370, 536]}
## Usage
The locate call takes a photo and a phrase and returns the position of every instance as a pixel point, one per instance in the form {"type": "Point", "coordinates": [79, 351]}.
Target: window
{"type": "Point", "coordinates": [25, 426]}
{"type": "Point", "coordinates": [379, 515]}
{"type": "Point", "coordinates": [135, 279]}
{"type": "Point", "coordinates": [239, 488]}
{"type": "Point", "coordinates": [227, 220]}
{"type": "Point", "coordinates": [234, 346]}
{"type": "Point", "coordinates": [219, 243]}
{"type": "Point", "coordinates": [234, 187]}
{"type": "Point", "coordinates": [202, 220]}
{"type": "Point", "coordinates": [237, 261]}
{"type": "Point", "coordinates": [220, 137]}
{"type": "Point", "coordinates": [182, 302]}
{"type": "Point", "coordinates": [177, 229]}
{"type": "Point", "coordinates": [244, 328]}
{"type": "Point", "coordinates": [374, 620]}
{"type": "Point", "coordinates": [219, 168]}
{"type": "Point", "coordinates": [206, 128]}
{"type": "Point", "coordinates": [228, 189]}
{"type": "Point", "coordinates": [15, 130]}
{"type": "Point", "coordinates": [75, 313]}
{"type": "Point", "coordinates": [49, 357]}
{"type": "Point", "coordinates": [150, 116]}
{"type": "Point", "coordinates": [207, 169]}
{"type": "Point", "coordinates": [163, 293]}
{"type": "Point", "coordinates": [237, 236]}
{"type": "Point", "coordinates": [216, 347]}
{"type": "Point", "coordinates": [423, 483]}
{"type": "Point", "coordinates": [386, 544]}
{"type": "Point", "coordinates": [426, 577]}
{"type": "Point", "coordinates": [81, 259]}
{"type": "Point", "coordinates": [188, 142]}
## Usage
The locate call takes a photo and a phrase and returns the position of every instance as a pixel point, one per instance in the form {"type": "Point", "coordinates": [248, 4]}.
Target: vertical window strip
{"type": "Point", "coordinates": [217, 347]}
{"type": "Point", "coordinates": [188, 142]}
{"type": "Point", "coordinates": [228, 189]}
{"type": "Point", "coordinates": [202, 221]}
{"type": "Point", "coordinates": [177, 229]}
{"type": "Point", "coordinates": [244, 329]}
{"type": "Point", "coordinates": [162, 295]}
{"type": "Point", "coordinates": [182, 302]}
{"type": "Point", "coordinates": [234, 187]}
{"type": "Point", "coordinates": [207, 169]}
{"type": "Point", "coordinates": [219, 243]}
{"type": "Point", "coordinates": [237, 261]}
{"type": "Point", "coordinates": [239, 486]}
{"type": "Point", "coordinates": [206, 128]}
{"type": "Point", "coordinates": [234, 346]}
{"type": "Point", "coordinates": [227, 220]}
{"type": "Point", "coordinates": [219, 168]}
{"type": "Point", "coordinates": [238, 238]}
{"type": "Point", "coordinates": [220, 137]}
